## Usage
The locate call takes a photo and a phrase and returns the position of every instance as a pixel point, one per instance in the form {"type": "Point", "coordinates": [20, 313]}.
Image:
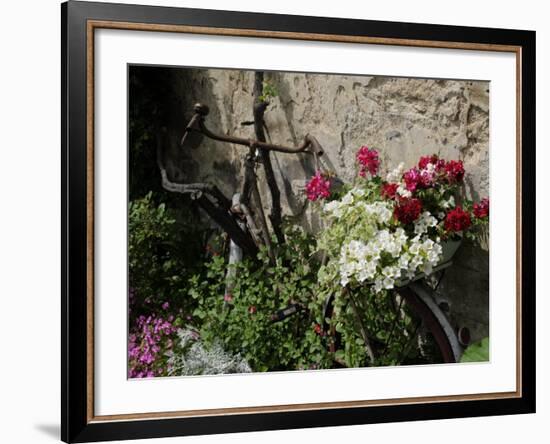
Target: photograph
{"type": "Point", "coordinates": [304, 221]}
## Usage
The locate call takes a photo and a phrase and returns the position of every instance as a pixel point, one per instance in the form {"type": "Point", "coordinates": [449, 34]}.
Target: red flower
{"type": "Point", "coordinates": [318, 187]}
{"type": "Point", "coordinates": [369, 161]}
{"type": "Point", "coordinates": [252, 309]}
{"type": "Point", "coordinates": [425, 160]}
{"type": "Point", "coordinates": [457, 220]}
{"type": "Point", "coordinates": [407, 210]}
{"type": "Point", "coordinates": [412, 179]}
{"type": "Point", "coordinates": [481, 209]}
{"type": "Point", "coordinates": [388, 190]}
{"type": "Point", "coordinates": [454, 170]}
{"type": "Point", "coordinates": [318, 329]}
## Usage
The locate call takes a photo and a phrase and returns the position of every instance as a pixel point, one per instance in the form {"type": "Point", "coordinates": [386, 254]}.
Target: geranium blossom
{"type": "Point", "coordinates": [454, 169]}
{"type": "Point", "coordinates": [481, 209]}
{"type": "Point", "coordinates": [389, 190]}
{"type": "Point", "coordinates": [318, 187]}
{"type": "Point", "coordinates": [457, 220]}
{"type": "Point", "coordinates": [412, 179]}
{"type": "Point", "coordinates": [368, 158]}
{"type": "Point", "coordinates": [425, 160]}
{"type": "Point", "coordinates": [407, 210]}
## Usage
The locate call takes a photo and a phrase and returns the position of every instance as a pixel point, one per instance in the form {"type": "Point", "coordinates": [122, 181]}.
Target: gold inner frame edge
{"type": "Point", "coordinates": [105, 24]}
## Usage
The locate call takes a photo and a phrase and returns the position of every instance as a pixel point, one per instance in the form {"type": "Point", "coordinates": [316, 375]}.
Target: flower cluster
{"type": "Point", "coordinates": [150, 336]}
{"type": "Point", "coordinates": [407, 210]}
{"type": "Point", "coordinates": [318, 187]}
{"type": "Point", "coordinates": [368, 161]}
{"type": "Point", "coordinates": [481, 209]}
{"type": "Point", "coordinates": [457, 220]}
{"type": "Point", "coordinates": [382, 232]}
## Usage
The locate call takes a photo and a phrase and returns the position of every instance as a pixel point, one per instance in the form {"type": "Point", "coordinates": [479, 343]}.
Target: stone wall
{"type": "Point", "coordinates": [402, 118]}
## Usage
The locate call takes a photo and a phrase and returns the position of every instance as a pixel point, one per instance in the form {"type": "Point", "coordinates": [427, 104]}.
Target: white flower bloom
{"type": "Point", "coordinates": [396, 174]}
{"type": "Point", "coordinates": [425, 221]}
{"type": "Point", "coordinates": [334, 209]}
{"type": "Point", "coordinates": [347, 199]}
{"type": "Point", "coordinates": [430, 168]}
{"type": "Point", "coordinates": [403, 192]}
{"type": "Point", "coordinates": [403, 262]}
{"type": "Point", "coordinates": [388, 283]}
{"type": "Point", "coordinates": [449, 203]}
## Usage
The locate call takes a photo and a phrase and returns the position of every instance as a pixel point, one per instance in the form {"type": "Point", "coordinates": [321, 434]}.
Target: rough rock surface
{"type": "Point", "coordinates": [403, 118]}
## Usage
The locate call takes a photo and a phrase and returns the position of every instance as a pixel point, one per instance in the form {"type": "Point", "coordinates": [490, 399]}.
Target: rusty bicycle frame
{"type": "Point", "coordinates": [237, 216]}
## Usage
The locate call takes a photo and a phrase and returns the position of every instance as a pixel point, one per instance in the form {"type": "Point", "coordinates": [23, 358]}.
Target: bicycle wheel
{"type": "Point", "coordinates": [434, 339]}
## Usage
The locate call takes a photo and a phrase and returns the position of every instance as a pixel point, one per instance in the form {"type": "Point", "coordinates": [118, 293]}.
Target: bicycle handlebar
{"type": "Point", "coordinates": [310, 145]}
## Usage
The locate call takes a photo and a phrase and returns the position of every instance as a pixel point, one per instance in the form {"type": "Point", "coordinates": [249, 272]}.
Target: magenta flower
{"type": "Point", "coordinates": [318, 187]}
{"type": "Point", "coordinates": [369, 161]}
{"type": "Point", "coordinates": [412, 179]}
{"type": "Point", "coordinates": [165, 306]}
{"type": "Point", "coordinates": [148, 340]}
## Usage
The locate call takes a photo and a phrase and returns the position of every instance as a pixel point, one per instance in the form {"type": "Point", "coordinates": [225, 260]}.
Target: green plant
{"type": "Point", "coordinates": [268, 91]}
{"type": "Point", "coordinates": [242, 318]}
{"type": "Point", "coordinates": [477, 352]}
{"type": "Point", "coordinates": [162, 253]}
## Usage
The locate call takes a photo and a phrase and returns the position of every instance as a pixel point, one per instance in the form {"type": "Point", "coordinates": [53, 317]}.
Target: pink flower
{"type": "Point", "coordinates": [165, 306]}
{"type": "Point", "coordinates": [427, 178]}
{"type": "Point", "coordinates": [412, 179]}
{"type": "Point", "coordinates": [481, 209]}
{"type": "Point", "coordinates": [318, 187]}
{"type": "Point", "coordinates": [227, 298]}
{"type": "Point", "coordinates": [369, 161]}
{"type": "Point", "coordinates": [252, 309]}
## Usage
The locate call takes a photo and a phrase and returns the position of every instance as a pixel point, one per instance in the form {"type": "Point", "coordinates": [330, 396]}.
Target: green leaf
{"type": "Point", "coordinates": [477, 352]}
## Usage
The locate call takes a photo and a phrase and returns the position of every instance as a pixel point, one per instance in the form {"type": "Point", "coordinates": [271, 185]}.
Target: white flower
{"type": "Point", "coordinates": [423, 222]}
{"type": "Point", "coordinates": [403, 192]}
{"type": "Point", "coordinates": [347, 199]}
{"type": "Point", "coordinates": [403, 262]}
{"type": "Point", "coordinates": [334, 208]}
{"type": "Point", "coordinates": [449, 203]}
{"type": "Point", "coordinates": [396, 174]}
{"type": "Point", "coordinates": [359, 192]}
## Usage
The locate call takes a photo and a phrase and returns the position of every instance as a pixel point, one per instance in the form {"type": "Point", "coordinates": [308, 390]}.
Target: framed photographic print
{"type": "Point", "coordinates": [275, 221]}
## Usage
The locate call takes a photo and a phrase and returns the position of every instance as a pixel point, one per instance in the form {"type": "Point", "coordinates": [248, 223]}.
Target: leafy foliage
{"type": "Point", "coordinates": [242, 319]}
{"type": "Point", "coordinates": [477, 352]}
{"type": "Point", "coordinates": [161, 255]}
{"type": "Point", "coordinates": [269, 91]}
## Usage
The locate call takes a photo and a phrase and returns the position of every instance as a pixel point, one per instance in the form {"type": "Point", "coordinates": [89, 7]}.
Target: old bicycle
{"type": "Point", "coordinates": [244, 220]}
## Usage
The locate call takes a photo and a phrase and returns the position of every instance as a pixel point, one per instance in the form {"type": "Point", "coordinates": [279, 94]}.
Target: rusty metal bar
{"type": "Point", "coordinates": [310, 145]}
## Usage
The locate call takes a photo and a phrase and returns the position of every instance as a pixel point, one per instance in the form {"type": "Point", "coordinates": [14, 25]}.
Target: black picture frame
{"type": "Point", "coordinates": [76, 423]}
